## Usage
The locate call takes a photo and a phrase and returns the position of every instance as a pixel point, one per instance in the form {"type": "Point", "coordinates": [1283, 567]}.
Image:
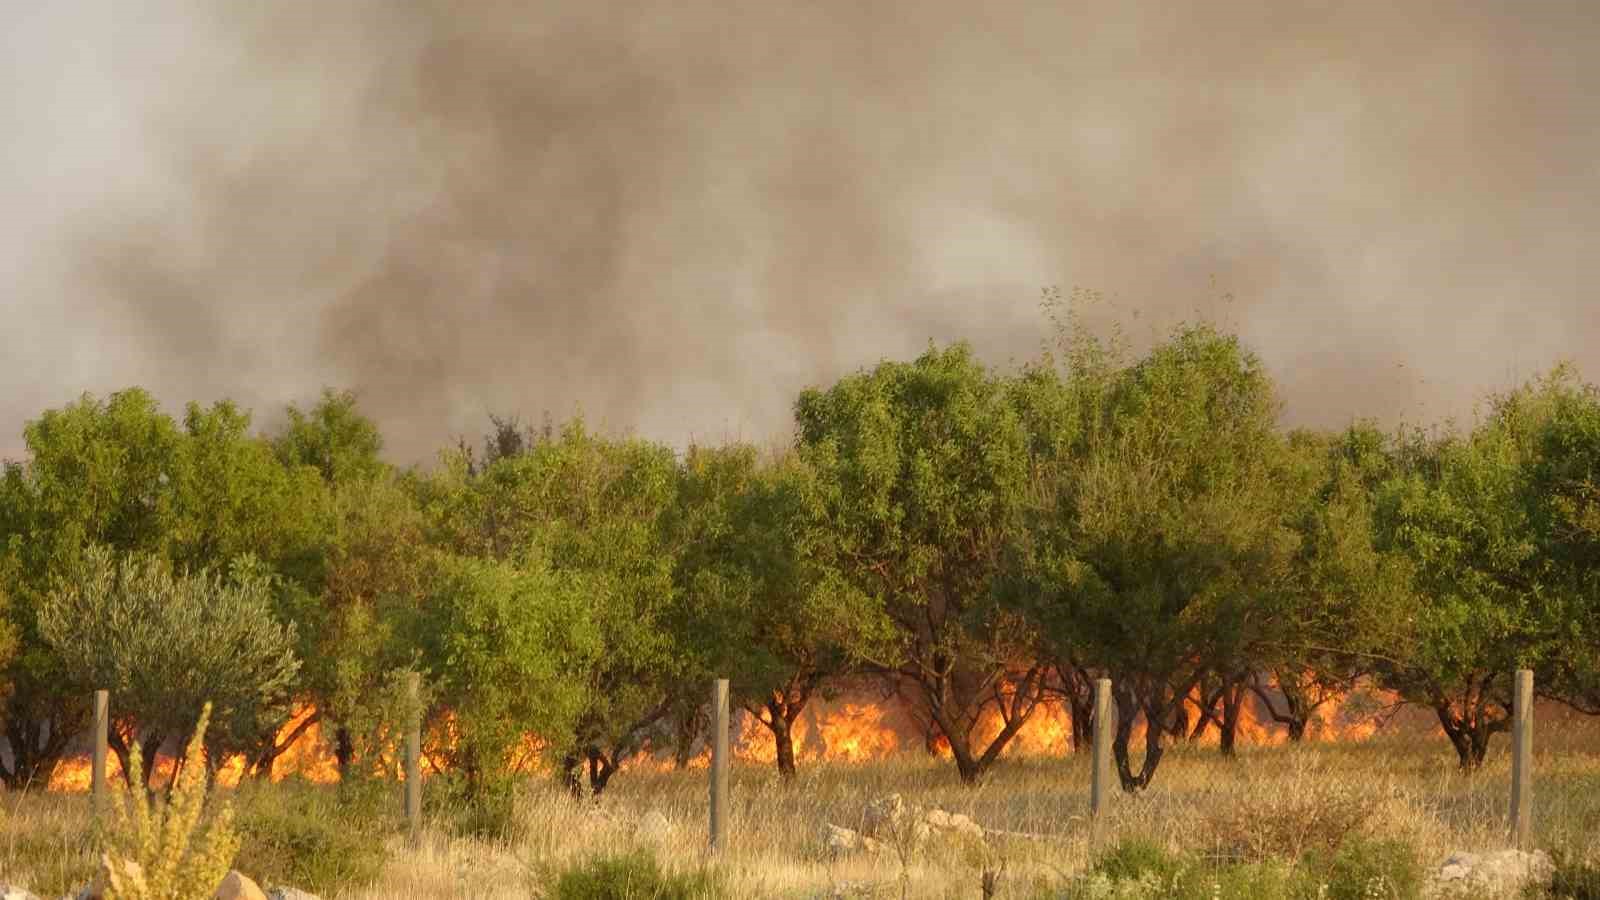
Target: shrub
{"type": "Point", "coordinates": [1574, 879]}
{"type": "Point", "coordinates": [632, 876]}
{"type": "Point", "coordinates": [1367, 869]}
{"type": "Point", "coordinates": [157, 851]}
{"type": "Point", "coordinates": [1314, 817]}
{"type": "Point", "coordinates": [317, 838]}
{"type": "Point", "coordinates": [1133, 859]}
{"type": "Point", "coordinates": [486, 810]}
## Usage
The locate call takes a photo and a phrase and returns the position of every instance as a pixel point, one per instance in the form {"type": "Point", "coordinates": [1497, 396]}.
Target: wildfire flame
{"type": "Point", "coordinates": [851, 730]}
{"type": "Point", "coordinates": [307, 757]}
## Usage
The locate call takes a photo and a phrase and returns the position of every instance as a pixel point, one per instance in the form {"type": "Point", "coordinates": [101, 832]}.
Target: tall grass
{"type": "Point", "coordinates": [1258, 818]}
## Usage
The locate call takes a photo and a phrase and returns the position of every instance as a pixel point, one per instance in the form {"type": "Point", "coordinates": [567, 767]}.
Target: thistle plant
{"type": "Point", "coordinates": [158, 850]}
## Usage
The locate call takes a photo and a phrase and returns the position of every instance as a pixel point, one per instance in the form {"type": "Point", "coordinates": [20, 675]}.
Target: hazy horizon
{"type": "Point", "coordinates": [675, 217]}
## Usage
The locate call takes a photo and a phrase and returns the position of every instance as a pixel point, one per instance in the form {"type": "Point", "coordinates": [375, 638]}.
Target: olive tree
{"type": "Point", "coordinates": [97, 471]}
{"type": "Point", "coordinates": [165, 644]}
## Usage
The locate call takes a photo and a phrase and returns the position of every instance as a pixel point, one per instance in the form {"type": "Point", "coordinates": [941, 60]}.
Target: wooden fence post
{"type": "Point", "coordinates": [1100, 780]}
{"type": "Point", "coordinates": [1522, 759]}
{"type": "Point", "coordinates": [414, 754]}
{"type": "Point", "coordinates": [100, 734]}
{"type": "Point", "coordinates": [719, 765]}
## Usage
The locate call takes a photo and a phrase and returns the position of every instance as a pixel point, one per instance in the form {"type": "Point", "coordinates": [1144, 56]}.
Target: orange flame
{"type": "Point", "coordinates": [308, 757]}
{"type": "Point", "coordinates": [858, 729]}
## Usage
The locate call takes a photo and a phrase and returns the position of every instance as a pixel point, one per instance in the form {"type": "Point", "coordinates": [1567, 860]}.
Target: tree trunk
{"type": "Point", "coordinates": [601, 768]}
{"type": "Point", "coordinates": [1469, 734]}
{"type": "Point", "coordinates": [272, 749]}
{"type": "Point", "coordinates": [571, 775]}
{"type": "Point", "coordinates": [1208, 715]}
{"type": "Point", "coordinates": [36, 746]}
{"type": "Point", "coordinates": [780, 711]}
{"type": "Point", "coordinates": [1295, 712]}
{"type": "Point", "coordinates": [688, 728]}
{"type": "Point", "coordinates": [1078, 690]}
{"type": "Point", "coordinates": [1232, 707]}
{"type": "Point", "coordinates": [783, 738]}
{"type": "Point", "coordinates": [1014, 713]}
{"type": "Point", "coordinates": [1160, 705]}
{"type": "Point", "coordinates": [344, 751]}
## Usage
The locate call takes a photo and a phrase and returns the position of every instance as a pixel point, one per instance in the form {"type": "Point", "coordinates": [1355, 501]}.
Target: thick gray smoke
{"type": "Point", "coordinates": [672, 217]}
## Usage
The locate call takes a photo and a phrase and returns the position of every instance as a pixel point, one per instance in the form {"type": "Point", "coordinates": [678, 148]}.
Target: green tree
{"type": "Point", "coordinates": [167, 644]}
{"type": "Point", "coordinates": [334, 437]}
{"type": "Point", "coordinates": [364, 573]}
{"type": "Point", "coordinates": [1462, 510]}
{"type": "Point", "coordinates": [98, 471]}
{"type": "Point", "coordinates": [355, 611]}
{"type": "Point", "coordinates": [597, 509]}
{"type": "Point", "coordinates": [1347, 604]}
{"type": "Point", "coordinates": [500, 643]}
{"type": "Point", "coordinates": [761, 611]}
{"type": "Point", "coordinates": [922, 469]}
{"type": "Point", "coordinates": [232, 496]}
{"type": "Point", "coordinates": [1566, 487]}
{"type": "Point", "coordinates": [1164, 544]}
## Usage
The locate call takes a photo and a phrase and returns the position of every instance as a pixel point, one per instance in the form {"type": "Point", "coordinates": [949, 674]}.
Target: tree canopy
{"type": "Point", "coordinates": [979, 541]}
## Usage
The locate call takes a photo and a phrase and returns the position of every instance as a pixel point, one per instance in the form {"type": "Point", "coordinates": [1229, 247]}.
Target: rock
{"type": "Point", "coordinates": [236, 886]}
{"type": "Point", "coordinates": [289, 893]}
{"type": "Point", "coordinates": [654, 827]}
{"type": "Point", "coordinates": [1502, 872]}
{"type": "Point", "coordinates": [883, 815]}
{"type": "Point", "coordinates": [843, 841]}
{"type": "Point", "coordinates": [16, 892]}
{"type": "Point", "coordinates": [944, 823]}
{"type": "Point", "coordinates": [131, 875]}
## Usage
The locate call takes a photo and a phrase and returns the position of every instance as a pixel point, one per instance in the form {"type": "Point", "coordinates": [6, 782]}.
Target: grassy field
{"type": "Point", "coordinates": [1255, 820]}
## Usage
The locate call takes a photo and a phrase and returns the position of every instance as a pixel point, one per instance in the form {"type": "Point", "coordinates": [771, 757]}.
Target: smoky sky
{"type": "Point", "coordinates": [672, 217]}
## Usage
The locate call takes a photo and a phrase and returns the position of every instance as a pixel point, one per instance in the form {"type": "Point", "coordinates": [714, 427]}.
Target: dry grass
{"type": "Point", "coordinates": [1268, 803]}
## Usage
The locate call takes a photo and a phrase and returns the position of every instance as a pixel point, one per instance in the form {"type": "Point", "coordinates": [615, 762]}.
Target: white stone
{"type": "Point", "coordinates": [842, 841]}
{"type": "Point", "coordinates": [883, 815]}
{"type": "Point", "coordinates": [1496, 873]}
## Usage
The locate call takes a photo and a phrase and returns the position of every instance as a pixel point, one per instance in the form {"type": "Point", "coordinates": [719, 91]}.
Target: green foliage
{"type": "Point", "coordinates": [160, 851]}
{"type": "Point", "coordinates": [1360, 869]}
{"type": "Point", "coordinates": [632, 876]}
{"type": "Point", "coordinates": [582, 516]}
{"type": "Point", "coordinates": [485, 808]}
{"type": "Point", "coordinates": [1135, 858]}
{"type": "Point", "coordinates": [760, 610]}
{"type": "Point", "coordinates": [966, 535]}
{"type": "Point", "coordinates": [1164, 549]}
{"type": "Point", "coordinates": [319, 839]}
{"type": "Point", "coordinates": [1575, 878]}
{"type": "Point", "coordinates": [167, 645]}
{"type": "Point", "coordinates": [922, 471]}
{"type": "Point", "coordinates": [121, 474]}
{"type": "Point", "coordinates": [332, 437]}
{"type": "Point", "coordinates": [503, 644]}
{"type": "Point", "coordinates": [1366, 868]}
{"type": "Point", "coordinates": [1473, 515]}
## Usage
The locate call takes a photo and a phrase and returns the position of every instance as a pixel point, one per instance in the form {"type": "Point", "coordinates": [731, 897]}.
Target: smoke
{"type": "Point", "coordinates": [672, 217]}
